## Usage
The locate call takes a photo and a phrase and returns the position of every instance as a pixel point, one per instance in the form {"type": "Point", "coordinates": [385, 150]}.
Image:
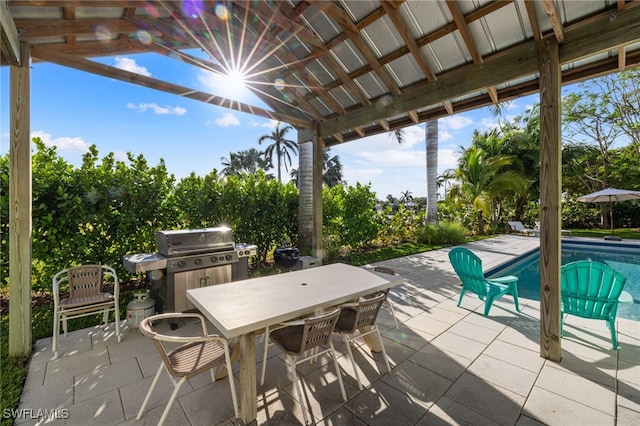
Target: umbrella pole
{"type": "Point", "coordinates": [611, 215]}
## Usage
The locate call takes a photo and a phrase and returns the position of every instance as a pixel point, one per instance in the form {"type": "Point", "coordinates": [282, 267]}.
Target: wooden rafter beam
{"type": "Point", "coordinates": [82, 64]}
{"type": "Point", "coordinates": [448, 106]}
{"type": "Point", "coordinates": [493, 94]}
{"type": "Point", "coordinates": [353, 33]}
{"type": "Point", "coordinates": [569, 76]}
{"type": "Point", "coordinates": [533, 19]}
{"type": "Point", "coordinates": [599, 35]}
{"type": "Point", "coordinates": [556, 20]}
{"type": "Point", "coordinates": [10, 37]}
{"type": "Point", "coordinates": [401, 27]}
{"type": "Point", "coordinates": [461, 24]}
{"type": "Point", "coordinates": [285, 20]}
{"type": "Point", "coordinates": [422, 41]}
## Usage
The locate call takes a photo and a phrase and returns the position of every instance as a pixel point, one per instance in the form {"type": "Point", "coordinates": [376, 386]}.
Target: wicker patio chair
{"type": "Point", "coordinates": [194, 356]}
{"type": "Point", "coordinates": [361, 316]}
{"type": "Point", "coordinates": [387, 302]}
{"type": "Point", "coordinates": [84, 285]}
{"type": "Point", "coordinates": [295, 338]}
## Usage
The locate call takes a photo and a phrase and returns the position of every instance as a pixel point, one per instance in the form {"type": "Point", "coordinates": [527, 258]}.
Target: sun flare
{"type": "Point", "coordinates": [236, 80]}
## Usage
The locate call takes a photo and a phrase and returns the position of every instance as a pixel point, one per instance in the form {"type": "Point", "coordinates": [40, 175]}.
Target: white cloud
{"type": "Point", "coordinates": [444, 136]}
{"type": "Point", "coordinates": [157, 109]}
{"type": "Point", "coordinates": [227, 120]}
{"type": "Point", "coordinates": [64, 144]}
{"type": "Point", "coordinates": [129, 64]}
{"type": "Point", "coordinates": [121, 156]}
{"type": "Point", "coordinates": [455, 122]}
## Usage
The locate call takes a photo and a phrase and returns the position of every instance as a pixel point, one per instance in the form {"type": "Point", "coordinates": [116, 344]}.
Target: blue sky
{"type": "Point", "coordinates": [73, 110]}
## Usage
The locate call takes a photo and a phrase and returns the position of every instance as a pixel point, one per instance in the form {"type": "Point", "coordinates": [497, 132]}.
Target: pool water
{"type": "Point", "coordinates": [624, 259]}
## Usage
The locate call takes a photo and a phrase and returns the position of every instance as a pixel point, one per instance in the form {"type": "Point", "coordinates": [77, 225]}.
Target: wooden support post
{"type": "Point", "coordinates": [550, 202]}
{"type": "Point", "coordinates": [318, 244]}
{"type": "Point", "coordinates": [310, 184]}
{"type": "Point", "coordinates": [248, 391]}
{"type": "Point", "coordinates": [20, 198]}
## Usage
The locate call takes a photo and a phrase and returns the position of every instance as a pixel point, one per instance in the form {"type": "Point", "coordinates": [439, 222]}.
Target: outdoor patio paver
{"type": "Point", "coordinates": [450, 365]}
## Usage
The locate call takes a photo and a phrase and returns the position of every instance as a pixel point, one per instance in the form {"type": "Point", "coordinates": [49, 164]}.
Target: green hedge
{"type": "Point", "coordinates": [106, 208]}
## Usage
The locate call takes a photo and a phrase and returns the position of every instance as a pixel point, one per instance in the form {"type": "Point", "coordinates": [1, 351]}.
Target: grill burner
{"type": "Point", "coordinates": [189, 259]}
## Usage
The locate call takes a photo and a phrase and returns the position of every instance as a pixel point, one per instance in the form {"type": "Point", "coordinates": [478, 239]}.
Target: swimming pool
{"type": "Point", "coordinates": [625, 258]}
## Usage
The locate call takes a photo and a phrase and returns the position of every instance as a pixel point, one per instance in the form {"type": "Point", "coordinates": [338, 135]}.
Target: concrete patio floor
{"type": "Point", "coordinates": [450, 365]}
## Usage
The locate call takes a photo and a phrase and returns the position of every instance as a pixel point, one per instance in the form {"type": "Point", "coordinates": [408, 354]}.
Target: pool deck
{"type": "Point", "coordinates": [450, 365]}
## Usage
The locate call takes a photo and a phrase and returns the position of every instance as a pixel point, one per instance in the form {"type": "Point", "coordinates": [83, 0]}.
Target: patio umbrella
{"type": "Point", "coordinates": [609, 195]}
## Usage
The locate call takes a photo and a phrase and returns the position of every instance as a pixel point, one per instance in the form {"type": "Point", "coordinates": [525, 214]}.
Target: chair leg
{"type": "Point", "coordinates": [384, 353]}
{"type": "Point", "coordinates": [170, 403]}
{"type": "Point", "coordinates": [393, 313]}
{"type": "Point", "coordinates": [612, 328]}
{"type": "Point", "coordinates": [292, 365]}
{"type": "Point", "coordinates": [514, 293]}
{"type": "Point", "coordinates": [153, 385]}
{"type": "Point", "coordinates": [461, 296]}
{"type": "Point", "coordinates": [487, 306]}
{"type": "Point", "coordinates": [232, 385]}
{"type": "Point", "coordinates": [117, 314]}
{"type": "Point", "coordinates": [64, 325]}
{"type": "Point", "coordinates": [347, 343]}
{"type": "Point", "coordinates": [54, 337]}
{"type": "Point", "coordinates": [338, 373]}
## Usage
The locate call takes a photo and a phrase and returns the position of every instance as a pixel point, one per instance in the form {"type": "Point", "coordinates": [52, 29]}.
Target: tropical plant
{"type": "Point", "coordinates": [247, 161]}
{"type": "Point", "coordinates": [482, 181]}
{"type": "Point", "coordinates": [406, 197]}
{"type": "Point", "coordinates": [331, 169]}
{"type": "Point", "coordinates": [281, 147]}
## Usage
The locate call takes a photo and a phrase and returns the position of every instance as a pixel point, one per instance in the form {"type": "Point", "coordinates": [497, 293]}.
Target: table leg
{"type": "Point", "coordinates": [371, 339]}
{"type": "Point", "coordinates": [248, 392]}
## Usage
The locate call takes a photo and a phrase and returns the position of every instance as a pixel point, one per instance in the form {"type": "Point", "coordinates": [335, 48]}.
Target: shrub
{"type": "Point", "coordinates": [446, 233]}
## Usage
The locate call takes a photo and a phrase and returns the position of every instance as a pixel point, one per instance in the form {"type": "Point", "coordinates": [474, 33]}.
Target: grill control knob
{"type": "Point", "coordinates": [182, 264]}
{"type": "Point", "coordinates": [214, 259]}
{"type": "Point", "coordinates": [198, 261]}
{"type": "Point", "coordinates": [247, 252]}
{"type": "Point", "coordinates": [229, 257]}
{"type": "Point", "coordinates": [221, 258]}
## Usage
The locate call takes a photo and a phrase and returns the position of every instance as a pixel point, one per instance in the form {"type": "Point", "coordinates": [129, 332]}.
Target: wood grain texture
{"type": "Point", "coordinates": [550, 188]}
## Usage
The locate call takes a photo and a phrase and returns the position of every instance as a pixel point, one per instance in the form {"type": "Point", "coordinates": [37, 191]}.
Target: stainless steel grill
{"type": "Point", "coordinates": [189, 259]}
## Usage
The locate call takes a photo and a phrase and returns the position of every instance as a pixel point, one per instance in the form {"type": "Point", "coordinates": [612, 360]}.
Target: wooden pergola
{"type": "Point", "coordinates": [336, 71]}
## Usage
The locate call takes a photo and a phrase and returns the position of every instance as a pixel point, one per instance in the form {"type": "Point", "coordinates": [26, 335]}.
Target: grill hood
{"type": "Point", "coordinates": [193, 241]}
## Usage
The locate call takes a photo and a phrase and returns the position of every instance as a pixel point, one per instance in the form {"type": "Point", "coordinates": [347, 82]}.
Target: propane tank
{"type": "Point", "coordinates": [142, 306]}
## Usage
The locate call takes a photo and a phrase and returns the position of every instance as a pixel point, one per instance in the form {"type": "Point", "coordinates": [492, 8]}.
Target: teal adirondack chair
{"type": "Point", "coordinates": [468, 266]}
{"type": "Point", "coordinates": [592, 290]}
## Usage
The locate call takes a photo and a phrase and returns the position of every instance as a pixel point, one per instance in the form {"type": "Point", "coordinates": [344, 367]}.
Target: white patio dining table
{"type": "Point", "coordinates": [242, 308]}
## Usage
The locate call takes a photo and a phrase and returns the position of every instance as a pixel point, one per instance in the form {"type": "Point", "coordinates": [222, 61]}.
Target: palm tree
{"type": "Point", "coordinates": [482, 181]}
{"type": "Point", "coordinates": [331, 170]}
{"type": "Point", "coordinates": [406, 196]}
{"type": "Point", "coordinates": [444, 178]}
{"type": "Point", "coordinates": [431, 141]}
{"type": "Point", "coordinates": [281, 147]}
{"type": "Point", "coordinates": [247, 161]}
